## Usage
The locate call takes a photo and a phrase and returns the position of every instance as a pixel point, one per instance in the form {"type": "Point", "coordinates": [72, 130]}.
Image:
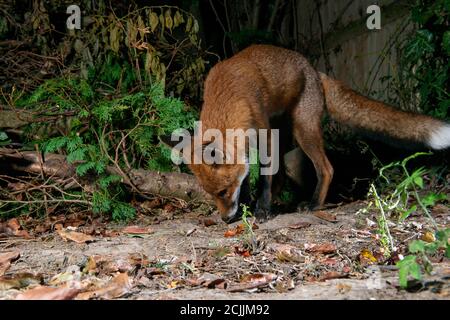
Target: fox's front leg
{"type": "Point", "coordinates": [263, 203]}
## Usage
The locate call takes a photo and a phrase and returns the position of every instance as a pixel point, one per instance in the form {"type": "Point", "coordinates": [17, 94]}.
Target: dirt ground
{"type": "Point", "coordinates": [194, 256]}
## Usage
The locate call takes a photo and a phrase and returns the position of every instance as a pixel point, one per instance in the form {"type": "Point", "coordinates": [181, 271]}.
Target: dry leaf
{"type": "Point", "coordinates": [253, 281]}
{"type": "Point", "coordinates": [209, 222]}
{"type": "Point", "coordinates": [12, 228]}
{"type": "Point", "coordinates": [72, 273]}
{"type": "Point", "coordinates": [238, 230]}
{"type": "Point", "coordinates": [287, 253]}
{"type": "Point", "coordinates": [5, 260]}
{"type": "Point", "coordinates": [172, 284]}
{"type": "Point", "coordinates": [137, 230]}
{"type": "Point", "coordinates": [210, 281]}
{"type": "Point", "coordinates": [242, 252]}
{"type": "Point", "coordinates": [77, 237]}
{"type": "Point", "coordinates": [98, 264]}
{"type": "Point", "coordinates": [343, 288]}
{"type": "Point", "coordinates": [332, 275]}
{"type": "Point", "coordinates": [324, 248]}
{"type": "Point", "coordinates": [428, 237]}
{"type": "Point", "coordinates": [48, 293]}
{"type": "Point", "coordinates": [325, 216]}
{"type": "Point", "coordinates": [366, 257]}
{"type": "Point", "coordinates": [116, 288]}
{"type": "Point", "coordinates": [19, 280]}
{"type": "Point", "coordinates": [230, 233]}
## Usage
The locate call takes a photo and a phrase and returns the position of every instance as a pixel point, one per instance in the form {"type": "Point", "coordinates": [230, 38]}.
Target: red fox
{"type": "Point", "coordinates": [248, 89]}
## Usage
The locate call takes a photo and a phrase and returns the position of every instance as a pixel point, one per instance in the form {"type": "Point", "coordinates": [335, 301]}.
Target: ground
{"type": "Point", "coordinates": [193, 255]}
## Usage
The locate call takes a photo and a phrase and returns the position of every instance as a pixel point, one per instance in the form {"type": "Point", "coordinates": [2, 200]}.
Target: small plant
{"type": "Point", "coordinates": [248, 236]}
{"type": "Point", "coordinates": [398, 203]}
{"type": "Point", "coordinates": [412, 264]}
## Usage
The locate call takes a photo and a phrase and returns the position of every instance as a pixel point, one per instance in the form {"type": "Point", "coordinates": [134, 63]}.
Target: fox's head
{"type": "Point", "coordinates": [223, 181]}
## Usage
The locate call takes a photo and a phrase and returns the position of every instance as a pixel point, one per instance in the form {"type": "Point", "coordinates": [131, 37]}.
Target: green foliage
{"type": "Point", "coordinates": [425, 65]}
{"type": "Point", "coordinates": [248, 237]}
{"type": "Point", "coordinates": [410, 265]}
{"type": "Point", "coordinates": [398, 203]}
{"type": "Point", "coordinates": [110, 128]}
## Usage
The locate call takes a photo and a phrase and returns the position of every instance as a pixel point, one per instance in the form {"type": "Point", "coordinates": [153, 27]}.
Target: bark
{"type": "Point", "coordinates": [167, 184]}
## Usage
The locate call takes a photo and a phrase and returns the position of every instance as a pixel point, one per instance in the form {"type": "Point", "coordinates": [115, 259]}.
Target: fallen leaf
{"type": "Point", "coordinates": [287, 253]}
{"type": "Point", "coordinates": [325, 216]}
{"type": "Point", "coordinates": [366, 257]}
{"type": "Point", "coordinates": [300, 225]}
{"type": "Point", "coordinates": [48, 293]}
{"type": "Point", "coordinates": [77, 237]}
{"type": "Point", "coordinates": [5, 260]}
{"type": "Point", "coordinates": [230, 233]}
{"type": "Point", "coordinates": [343, 288]}
{"type": "Point", "coordinates": [242, 252]}
{"type": "Point", "coordinates": [19, 280]}
{"type": "Point", "coordinates": [208, 222]}
{"type": "Point", "coordinates": [332, 275]}
{"type": "Point", "coordinates": [137, 230]}
{"type": "Point", "coordinates": [12, 228]}
{"type": "Point", "coordinates": [116, 288]}
{"type": "Point", "coordinates": [209, 280]}
{"type": "Point", "coordinates": [238, 230]}
{"type": "Point", "coordinates": [102, 265]}
{"type": "Point", "coordinates": [91, 266]}
{"type": "Point", "coordinates": [173, 284]}
{"type": "Point", "coordinates": [285, 286]}
{"type": "Point", "coordinates": [324, 248]}
{"type": "Point", "coordinates": [253, 281]}
{"type": "Point", "coordinates": [72, 273]}
{"type": "Point", "coordinates": [428, 237]}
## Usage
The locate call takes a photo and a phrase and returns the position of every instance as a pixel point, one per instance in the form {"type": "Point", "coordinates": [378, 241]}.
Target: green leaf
{"type": "Point", "coordinates": [408, 266]}
{"type": "Point", "coordinates": [417, 246]}
{"type": "Point", "coordinates": [419, 182]}
{"type": "Point", "coordinates": [406, 214]}
{"type": "Point", "coordinates": [83, 168]}
{"type": "Point", "coordinates": [431, 199]}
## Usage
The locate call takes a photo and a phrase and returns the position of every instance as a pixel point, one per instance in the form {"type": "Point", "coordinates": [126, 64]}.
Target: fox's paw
{"type": "Point", "coordinates": [262, 212]}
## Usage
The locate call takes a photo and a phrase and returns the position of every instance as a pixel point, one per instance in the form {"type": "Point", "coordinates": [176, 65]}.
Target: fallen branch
{"type": "Point", "coordinates": [167, 184]}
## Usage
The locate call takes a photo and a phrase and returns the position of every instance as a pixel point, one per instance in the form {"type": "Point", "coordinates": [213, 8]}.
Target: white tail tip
{"type": "Point", "coordinates": [440, 138]}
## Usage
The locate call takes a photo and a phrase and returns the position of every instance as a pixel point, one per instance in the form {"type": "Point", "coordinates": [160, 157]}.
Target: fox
{"type": "Point", "coordinates": [261, 82]}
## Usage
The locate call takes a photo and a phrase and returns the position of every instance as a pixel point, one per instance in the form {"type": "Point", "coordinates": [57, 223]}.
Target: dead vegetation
{"type": "Point", "coordinates": [190, 255]}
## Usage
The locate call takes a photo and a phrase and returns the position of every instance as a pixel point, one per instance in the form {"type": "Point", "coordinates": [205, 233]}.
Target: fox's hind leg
{"type": "Point", "coordinates": [307, 116]}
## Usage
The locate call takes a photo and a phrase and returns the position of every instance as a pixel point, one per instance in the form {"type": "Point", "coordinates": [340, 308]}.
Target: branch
{"type": "Point", "coordinates": [167, 184]}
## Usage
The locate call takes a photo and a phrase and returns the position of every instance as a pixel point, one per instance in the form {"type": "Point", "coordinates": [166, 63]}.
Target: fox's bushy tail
{"type": "Point", "coordinates": [348, 107]}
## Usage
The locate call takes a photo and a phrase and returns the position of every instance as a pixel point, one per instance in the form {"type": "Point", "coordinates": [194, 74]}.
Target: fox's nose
{"type": "Point", "coordinates": [228, 219]}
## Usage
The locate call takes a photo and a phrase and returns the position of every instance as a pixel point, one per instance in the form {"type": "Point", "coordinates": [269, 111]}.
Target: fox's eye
{"type": "Point", "coordinates": [222, 193]}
